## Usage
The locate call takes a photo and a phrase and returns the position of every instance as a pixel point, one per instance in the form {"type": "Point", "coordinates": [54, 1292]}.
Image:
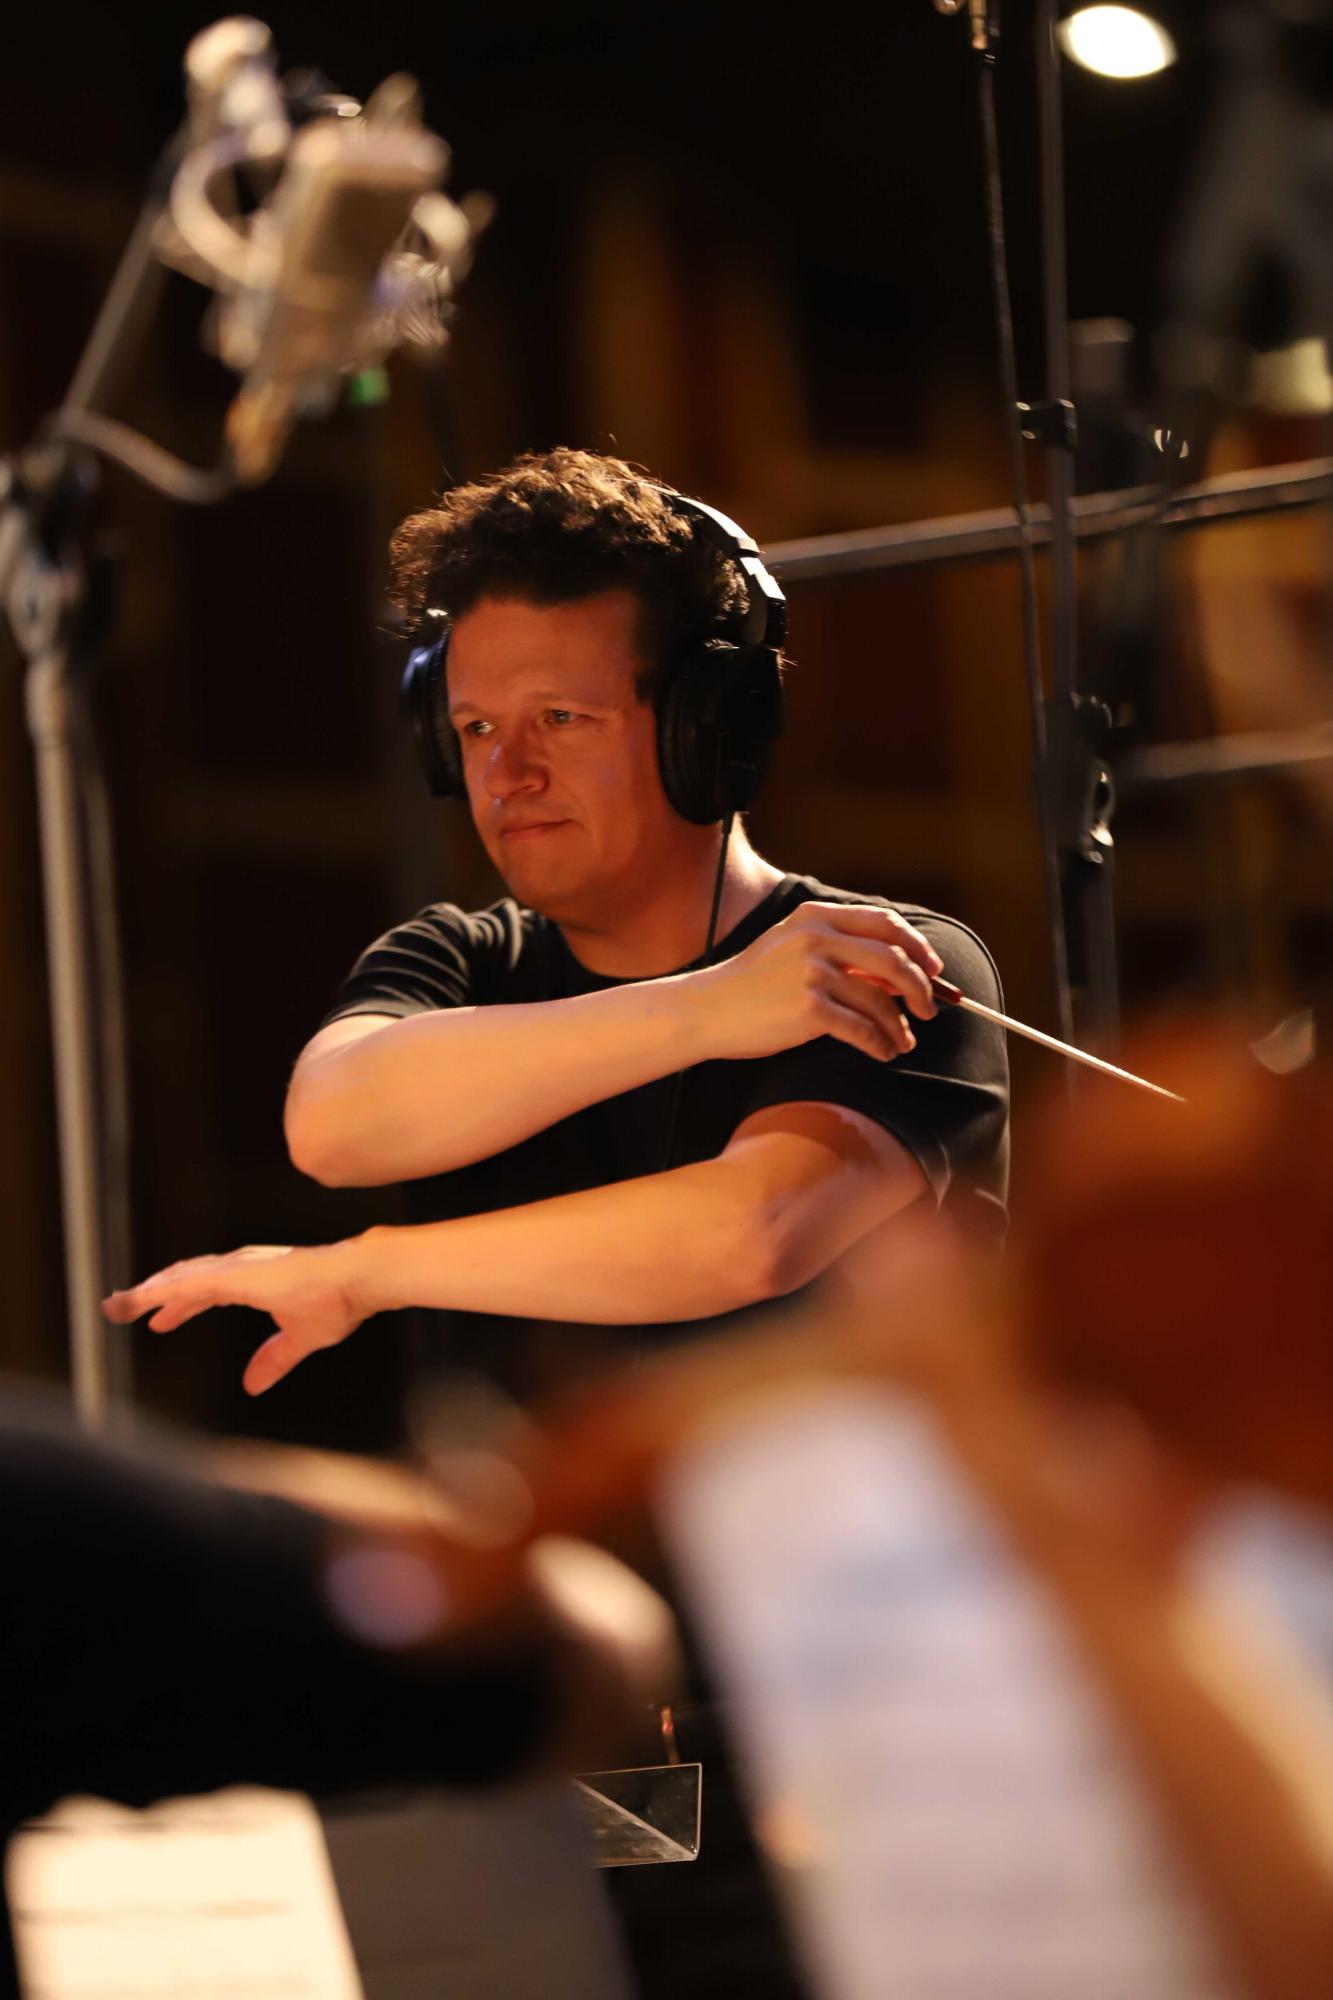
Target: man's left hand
{"type": "Point", "coordinates": [312, 1297]}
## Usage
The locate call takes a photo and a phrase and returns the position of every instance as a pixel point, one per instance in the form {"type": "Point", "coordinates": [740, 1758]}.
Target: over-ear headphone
{"type": "Point", "coordinates": [719, 706]}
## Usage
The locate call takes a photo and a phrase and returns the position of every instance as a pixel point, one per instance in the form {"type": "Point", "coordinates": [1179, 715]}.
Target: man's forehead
{"type": "Point", "coordinates": [508, 645]}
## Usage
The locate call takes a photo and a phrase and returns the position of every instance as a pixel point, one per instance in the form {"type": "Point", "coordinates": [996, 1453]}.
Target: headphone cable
{"type": "Point", "coordinates": [678, 1080]}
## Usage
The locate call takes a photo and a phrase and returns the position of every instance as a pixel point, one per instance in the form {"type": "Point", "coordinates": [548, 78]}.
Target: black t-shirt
{"type": "Point", "coordinates": [946, 1102]}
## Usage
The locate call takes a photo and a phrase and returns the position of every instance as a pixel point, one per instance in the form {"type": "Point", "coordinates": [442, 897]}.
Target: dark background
{"type": "Point", "coordinates": [743, 246]}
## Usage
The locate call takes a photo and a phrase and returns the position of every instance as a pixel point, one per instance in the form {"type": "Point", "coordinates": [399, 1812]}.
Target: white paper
{"type": "Point", "coordinates": [964, 1820]}
{"type": "Point", "coordinates": [228, 1897]}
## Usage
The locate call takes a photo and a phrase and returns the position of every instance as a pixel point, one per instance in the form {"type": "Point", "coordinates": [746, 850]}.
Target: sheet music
{"type": "Point", "coordinates": [228, 1897]}
{"type": "Point", "coordinates": [960, 1817]}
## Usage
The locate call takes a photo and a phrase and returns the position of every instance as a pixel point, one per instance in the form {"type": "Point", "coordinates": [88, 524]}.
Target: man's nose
{"type": "Point", "coordinates": [512, 766]}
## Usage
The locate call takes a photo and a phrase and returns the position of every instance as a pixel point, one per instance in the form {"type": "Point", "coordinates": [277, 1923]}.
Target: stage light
{"type": "Point", "coordinates": [1117, 41]}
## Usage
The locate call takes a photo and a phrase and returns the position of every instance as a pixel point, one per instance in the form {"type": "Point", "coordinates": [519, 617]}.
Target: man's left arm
{"type": "Point", "coordinates": [796, 1185]}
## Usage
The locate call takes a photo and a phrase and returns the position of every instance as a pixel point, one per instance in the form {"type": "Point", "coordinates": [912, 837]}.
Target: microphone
{"type": "Point", "coordinates": [324, 277]}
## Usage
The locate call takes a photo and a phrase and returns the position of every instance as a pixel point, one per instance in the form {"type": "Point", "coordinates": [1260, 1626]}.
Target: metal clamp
{"type": "Point", "coordinates": [1053, 424]}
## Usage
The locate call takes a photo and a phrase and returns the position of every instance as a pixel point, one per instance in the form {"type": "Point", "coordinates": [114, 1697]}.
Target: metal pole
{"type": "Point", "coordinates": [42, 587]}
{"type": "Point", "coordinates": [993, 533]}
{"type": "Point", "coordinates": [130, 300]}
{"type": "Point", "coordinates": [1083, 792]}
{"type": "Point", "coordinates": [1055, 319]}
{"type": "Point", "coordinates": [70, 979]}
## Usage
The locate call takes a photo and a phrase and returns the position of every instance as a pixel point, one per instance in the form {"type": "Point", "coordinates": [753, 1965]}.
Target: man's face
{"type": "Point", "coordinates": [559, 753]}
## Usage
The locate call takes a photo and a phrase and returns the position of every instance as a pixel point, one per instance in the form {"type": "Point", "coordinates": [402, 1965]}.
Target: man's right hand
{"type": "Point", "coordinates": [840, 969]}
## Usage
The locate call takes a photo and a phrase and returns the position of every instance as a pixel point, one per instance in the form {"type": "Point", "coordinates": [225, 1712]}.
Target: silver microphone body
{"type": "Point", "coordinates": [316, 298]}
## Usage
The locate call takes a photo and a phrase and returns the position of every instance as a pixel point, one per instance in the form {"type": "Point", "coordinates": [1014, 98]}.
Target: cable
{"type": "Point", "coordinates": [218, 243]}
{"type": "Point", "coordinates": [727, 825]}
{"type": "Point", "coordinates": [1004, 327]}
{"type": "Point", "coordinates": [678, 1080]}
{"type": "Point", "coordinates": [166, 474]}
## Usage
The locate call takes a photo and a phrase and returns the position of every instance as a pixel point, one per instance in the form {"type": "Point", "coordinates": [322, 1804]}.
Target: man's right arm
{"type": "Point", "coordinates": [375, 1099]}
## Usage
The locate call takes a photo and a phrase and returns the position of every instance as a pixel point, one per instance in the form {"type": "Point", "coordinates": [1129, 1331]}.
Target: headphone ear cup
{"type": "Point", "coordinates": [752, 723]}
{"type": "Point", "coordinates": [426, 699]}
{"type": "Point", "coordinates": [687, 739]}
{"type": "Point", "coordinates": [717, 716]}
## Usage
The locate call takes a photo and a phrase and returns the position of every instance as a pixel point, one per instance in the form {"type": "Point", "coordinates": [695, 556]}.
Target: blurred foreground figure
{"type": "Point", "coordinates": [1003, 1738]}
{"type": "Point", "coordinates": [1000, 1735]}
{"type": "Point", "coordinates": [166, 1636]}
{"type": "Point", "coordinates": [999, 1738]}
{"type": "Point", "coordinates": [1181, 1264]}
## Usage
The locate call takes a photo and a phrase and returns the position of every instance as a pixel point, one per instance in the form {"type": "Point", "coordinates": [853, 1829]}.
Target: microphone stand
{"type": "Point", "coordinates": [1069, 769]}
{"type": "Point", "coordinates": [56, 589]}
{"type": "Point", "coordinates": [1071, 777]}
{"type": "Point", "coordinates": [1080, 789]}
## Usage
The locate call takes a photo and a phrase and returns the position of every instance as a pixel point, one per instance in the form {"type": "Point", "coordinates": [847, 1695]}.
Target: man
{"type": "Point", "coordinates": [515, 1066]}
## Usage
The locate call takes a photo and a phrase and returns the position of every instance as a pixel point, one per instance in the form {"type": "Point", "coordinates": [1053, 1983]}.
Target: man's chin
{"type": "Point", "coordinates": [533, 880]}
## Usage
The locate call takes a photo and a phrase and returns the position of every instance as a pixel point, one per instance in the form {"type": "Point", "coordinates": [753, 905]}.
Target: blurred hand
{"type": "Point", "coordinates": [616, 1652]}
{"type": "Point", "coordinates": [607, 1640]}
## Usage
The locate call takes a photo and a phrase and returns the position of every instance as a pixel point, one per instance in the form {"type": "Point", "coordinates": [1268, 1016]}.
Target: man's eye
{"type": "Point", "coordinates": [562, 717]}
{"type": "Point", "coordinates": [477, 728]}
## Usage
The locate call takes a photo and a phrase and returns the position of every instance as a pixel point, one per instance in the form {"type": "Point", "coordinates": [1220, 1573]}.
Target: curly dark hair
{"type": "Point", "coordinates": [560, 525]}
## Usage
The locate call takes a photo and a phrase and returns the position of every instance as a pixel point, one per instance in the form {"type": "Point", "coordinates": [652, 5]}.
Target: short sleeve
{"type": "Point", "coordinates": [947, 1102]}
{"type": "Point", "coordinates": [431, 961]}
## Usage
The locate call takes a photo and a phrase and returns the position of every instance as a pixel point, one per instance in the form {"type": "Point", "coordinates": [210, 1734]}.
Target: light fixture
{"type": "Point", "coordinates": [1294, 381]}
{"type": "Point", "coordinates": [1117, 41]}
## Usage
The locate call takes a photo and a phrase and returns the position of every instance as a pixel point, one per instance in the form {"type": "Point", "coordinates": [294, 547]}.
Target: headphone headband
{"type": "Point", "coordinates": [766, 611]}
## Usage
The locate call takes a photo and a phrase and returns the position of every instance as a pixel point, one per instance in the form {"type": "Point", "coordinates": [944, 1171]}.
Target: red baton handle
{"type": "Point", "coordinates": [944, 989]}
